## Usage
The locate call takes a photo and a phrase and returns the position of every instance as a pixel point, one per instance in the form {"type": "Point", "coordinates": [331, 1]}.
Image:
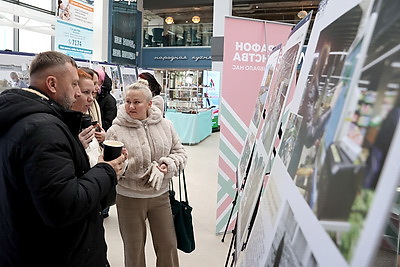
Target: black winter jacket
{"type": "Point", "coordinates": [49, 196]}
{"type": "Point", "coordinates": [108, 109]}
{"type": "Point", "coordinates": [107, 104]}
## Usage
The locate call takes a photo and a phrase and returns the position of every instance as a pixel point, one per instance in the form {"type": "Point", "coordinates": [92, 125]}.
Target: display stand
{"type": "Point", "coordinates": [191, 128]}
{"type": "Point", "coordinates": [185, 99]}
{"type": "Point", "coordinates": [185, 107]}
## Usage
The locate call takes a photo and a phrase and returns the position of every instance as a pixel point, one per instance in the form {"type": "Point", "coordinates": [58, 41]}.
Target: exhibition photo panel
{"type": "Point", "coordinates": [277, 89]}
{"type": "Point", "coordinates": [257, 115]}
{"type": "Point", "coordinates": [333, 180]}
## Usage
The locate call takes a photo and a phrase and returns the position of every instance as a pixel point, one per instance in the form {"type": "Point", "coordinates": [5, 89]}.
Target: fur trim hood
{"type": "Point", "coordinates": [123, 118]}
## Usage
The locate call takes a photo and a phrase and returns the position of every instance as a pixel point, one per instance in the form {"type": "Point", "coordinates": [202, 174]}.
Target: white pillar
{"type": "Point", "coordinates": [222, 8]}
{"type": "Point", "coordinates": [100, 30]}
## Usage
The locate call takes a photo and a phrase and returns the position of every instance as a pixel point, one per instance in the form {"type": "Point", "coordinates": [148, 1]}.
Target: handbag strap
{"type": "Point", "coordinates": [184, 185]}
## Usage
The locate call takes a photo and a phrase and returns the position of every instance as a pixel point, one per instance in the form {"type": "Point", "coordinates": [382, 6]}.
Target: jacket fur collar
{"type": "Point", "coordinates": [123, 119]}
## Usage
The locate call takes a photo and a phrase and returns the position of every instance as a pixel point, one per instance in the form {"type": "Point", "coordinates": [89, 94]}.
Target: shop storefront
{"type": "Point", "coordinates": [182, 73]}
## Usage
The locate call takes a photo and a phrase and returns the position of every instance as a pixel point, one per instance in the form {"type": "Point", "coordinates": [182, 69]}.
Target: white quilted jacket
{"type": "Point", "coordinates": [152, 139]}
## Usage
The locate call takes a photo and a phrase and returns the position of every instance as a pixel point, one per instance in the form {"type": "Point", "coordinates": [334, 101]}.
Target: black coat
{"type": "Point", "coordinates": [108, 109]}
{"type": "Point", "coordinates": [107, 103]}
{"type": "Point", "coordinates": [49, 197]}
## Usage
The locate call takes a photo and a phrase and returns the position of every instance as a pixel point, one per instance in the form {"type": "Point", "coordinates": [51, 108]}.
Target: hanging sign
{"type": "Point", "coordinates": [74, 29]}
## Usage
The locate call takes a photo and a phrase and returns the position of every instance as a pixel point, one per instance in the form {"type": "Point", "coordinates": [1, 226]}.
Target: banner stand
{"type": "Point", "coordinates": [230, 215]}
{"type": "Point", "coordinates": [253, 217]}
{"type": "Point", "coordinates": [230, 248]}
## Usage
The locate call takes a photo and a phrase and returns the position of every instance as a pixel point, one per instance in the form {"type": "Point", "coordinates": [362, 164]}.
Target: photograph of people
{"type": "Point", "coordinates": [16, 82]}
{"type": "Point", "coordinates": [63, 10]}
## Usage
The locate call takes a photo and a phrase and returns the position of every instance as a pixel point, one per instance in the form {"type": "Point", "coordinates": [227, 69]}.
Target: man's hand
{"type": "Point", "coordinates": [118, 164]}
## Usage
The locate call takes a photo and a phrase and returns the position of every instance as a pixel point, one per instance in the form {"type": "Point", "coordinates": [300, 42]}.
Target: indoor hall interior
{"type": "Point", "coordinates": [201, 175]}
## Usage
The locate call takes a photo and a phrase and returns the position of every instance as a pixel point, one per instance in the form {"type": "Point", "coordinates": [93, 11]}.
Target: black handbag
{"type": "Point", "coordinates": [182, 215]}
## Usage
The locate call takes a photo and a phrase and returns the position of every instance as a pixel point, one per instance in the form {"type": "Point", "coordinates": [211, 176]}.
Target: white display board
{"type": "Point", "coordinates": [74, 28]}
{"type": "Point", "coordinates": [17, 63]}
{"type": "Point", "coordinates": [276, 92]}
{"type": "Point", "coordinates": [258, 113]}
{"type": "Point", "coordinates": [113, 71]}
{"type": "Point", "coordinates": [128, 74]}
{"type": "Point", "coordinates": [336, 171]}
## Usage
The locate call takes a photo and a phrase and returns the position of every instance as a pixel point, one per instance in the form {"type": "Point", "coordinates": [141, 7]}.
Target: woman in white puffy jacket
{"type": "Point", "coordinates": [155, 156]}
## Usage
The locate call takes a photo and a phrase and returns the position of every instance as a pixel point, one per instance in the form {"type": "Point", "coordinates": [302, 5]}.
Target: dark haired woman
{"type": "Point", "coordinates": [155, 89]}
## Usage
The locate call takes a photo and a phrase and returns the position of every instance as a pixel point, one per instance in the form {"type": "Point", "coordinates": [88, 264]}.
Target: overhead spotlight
{"type": "Point", "coordinates": [169, 20]}
{"type": "Point", "coordinates": [196, 19]}
{"type": "Point", "coordinates": [302, 14]}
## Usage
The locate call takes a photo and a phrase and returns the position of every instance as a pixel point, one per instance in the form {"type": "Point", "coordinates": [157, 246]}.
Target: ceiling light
{"type": "Point", "coordinates": [363, 82]}
{"type": "Point", "coordinates": [169, 20]}
{"type": "Point", "coordinates": [393, 86]}
{"type": "Point", "coordinates": [395, 64]}
{"type": "Point", "coordinates": [196, 19]}
{"type": "Point", "coordinates": [302, 14]}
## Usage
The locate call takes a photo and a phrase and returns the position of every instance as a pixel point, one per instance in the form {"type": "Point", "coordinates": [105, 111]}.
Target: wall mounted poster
{"type": "Point", "coordinates": [125, 19]}
{"type": "Point", "coordinates": [211, 93]}
{"type": "Point", "coordinates": [339, 182]}
{"type": "Point", "coordinates": [14, 70]}
{"type": "Point", "coordinates": [128, 75]}
{"type": "Point", "coordinates": [113, 71]}
{"type": "Point", "coordinates": [74, 28]}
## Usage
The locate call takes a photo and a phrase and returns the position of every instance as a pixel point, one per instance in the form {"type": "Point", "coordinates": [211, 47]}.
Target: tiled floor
{"type": "Point", "coordinates": [201, 175]}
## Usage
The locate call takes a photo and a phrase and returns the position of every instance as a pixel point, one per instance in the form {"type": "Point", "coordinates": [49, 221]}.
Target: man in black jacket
{"type": "Point", "coordinates": [49, 197]}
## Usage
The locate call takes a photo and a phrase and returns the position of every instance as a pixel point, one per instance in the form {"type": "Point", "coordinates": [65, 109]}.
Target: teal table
{"type": "Point", "coordinates": [191, 128]}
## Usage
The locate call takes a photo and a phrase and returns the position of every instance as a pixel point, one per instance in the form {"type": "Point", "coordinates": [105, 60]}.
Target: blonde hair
{"type": "Point", "coordinates": [141, 85]}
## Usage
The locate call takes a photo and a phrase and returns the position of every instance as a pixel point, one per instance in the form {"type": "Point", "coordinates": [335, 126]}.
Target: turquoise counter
{"type": "Point", "coordinates": [191, 128]}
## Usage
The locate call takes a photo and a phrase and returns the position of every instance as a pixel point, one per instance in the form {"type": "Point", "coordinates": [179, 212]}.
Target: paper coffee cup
{"type": "Point", "coordinates": [112, 149]}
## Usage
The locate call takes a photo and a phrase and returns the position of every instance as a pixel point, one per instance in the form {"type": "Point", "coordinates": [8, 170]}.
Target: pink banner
{"type": "Point", "coordinates": [247, 44]}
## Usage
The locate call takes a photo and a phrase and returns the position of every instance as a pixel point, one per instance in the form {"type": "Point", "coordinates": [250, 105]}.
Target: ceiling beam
{"type": "Point", "coordinates": [44, 23]}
